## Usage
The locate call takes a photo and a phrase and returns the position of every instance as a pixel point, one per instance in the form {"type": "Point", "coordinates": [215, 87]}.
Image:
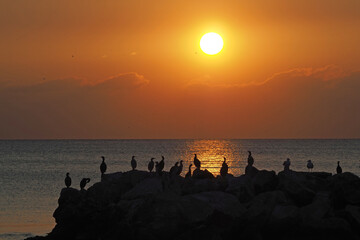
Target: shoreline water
{"type": "Point", "coordinates": [33, 171]}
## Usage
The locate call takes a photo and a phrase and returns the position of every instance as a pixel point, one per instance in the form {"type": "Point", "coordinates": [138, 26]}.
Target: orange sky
{"type": "Point", "coordinates": [134, 69]}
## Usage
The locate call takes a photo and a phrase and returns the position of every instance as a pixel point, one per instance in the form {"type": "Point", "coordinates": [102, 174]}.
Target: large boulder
{"type": "Point", "coordinates": [292, 184]}
{"type": "Point", "coordinates": [264, 181]}
{"type": "Point", "coordinates": [201, 174]}
{"type": "Point", "coordinates": [345, 189]}
{"type": "Point", "coordinates": [241, 187]}
{"type": "Point", "coordinates": [145, 188]}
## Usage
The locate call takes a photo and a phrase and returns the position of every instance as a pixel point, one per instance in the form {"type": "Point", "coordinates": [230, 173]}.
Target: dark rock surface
{"type": "Point", "coordinates": [264, 205]}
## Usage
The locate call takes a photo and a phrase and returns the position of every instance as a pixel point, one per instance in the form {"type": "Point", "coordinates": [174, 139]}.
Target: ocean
{"type": "Point", "coordinates": [32, 172]}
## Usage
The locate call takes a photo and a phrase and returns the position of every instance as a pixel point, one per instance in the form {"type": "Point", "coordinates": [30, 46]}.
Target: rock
{"type": "Point", "coordinates": [69, 195]}
{"type": "Point", "coordinates": [264, 181]}
{"type": "Point", "coordinates": [345, 189]}
{"type": "Point", "coordinates": [222, 202]}
{"type": "Point", "coordinates": [149, 186]}
{"type": "Point", "coordinates": [201, 174]}
{"type": "Point", "coordinates": [353, 216]}
{"type": "Point", "coordinates": [200, 185]}
{"type": "Point", "coordinates": [317, 209]}
{"type": "Point", "coordinates": [241, 187]}
{"type": "Point", "coordinates": [284, 215]}
{"type": "Point", "coordinates": [291, 183]}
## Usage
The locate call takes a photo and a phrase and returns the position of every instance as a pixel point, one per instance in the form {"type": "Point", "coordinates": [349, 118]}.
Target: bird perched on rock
{"type": "Point", "coordinates": [310, 165]}
{"type": "Point", "coordinates": [151, 165]}
{"type": "Point", "coordinates": [160, 166]}
{"type": "Point", "coordinates": [188, 174]}
{"type": "Point", "coordinates": [224, 168]}
{"type": "Point", "coordinates": [287, 164]}
{"type": "Point", "coordinates": [250, 159]}
{"type": "Point", "coordinates": [197, 162]}
{"type": "Point", "coordinates": [338, 168]}
{"type": "Point", "coordinates": [67, 180]}
{"type": "Point", "coordinates": [174, 168]}
{"type": "Point", "coordinates": [103, 165]}
{"type": "Point", "coordinates": [180, 168]}
{"type": "Point", "coordinates": [83, 183]}
{"type": "Point", "coordinates": [133, 163]}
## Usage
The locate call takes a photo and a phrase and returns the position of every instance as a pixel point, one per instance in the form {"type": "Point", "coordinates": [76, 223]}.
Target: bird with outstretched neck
{"type": "Point", "coordinates": [133, 163]}
{"type": "Point", "coordinates": [151, 165]}
{"type": "Point", "coordinates": [83, 183]}
{"type": "Point", "coordinates": [286, 164]}
{"type": "Point", "coordinates": [180, 168]}
{"type": "Point", "coordinates": [197, 162]}
{"type": "Point", "coordinates": [338, 168]}
{"type": "Point", "coordinates": [250, 159]}
{"type": "Point", "coordinates": [160, 166]}
{"type": "Point", "coordinates": [224, 168]}
{"type": "Point", "coordinates": [67, 180]}
{"type": "Point", "coordinates": [188, 174]}
{"type": "Point", "coordinates": [103, 166]}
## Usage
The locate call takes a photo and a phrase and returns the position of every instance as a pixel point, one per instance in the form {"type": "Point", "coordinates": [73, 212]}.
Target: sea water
{"type": "Point", "coordinates": [32, 172]}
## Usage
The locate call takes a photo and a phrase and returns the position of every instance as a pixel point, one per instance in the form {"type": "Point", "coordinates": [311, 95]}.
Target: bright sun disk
{"type": "Point", "coordinates": [211, 43]}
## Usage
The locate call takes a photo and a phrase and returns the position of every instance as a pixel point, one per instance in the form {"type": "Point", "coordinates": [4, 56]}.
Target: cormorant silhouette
{"type": "Point", "coordinates": [188, 174]}
{"type": "Point", "coordinates": [174, 168]}
{"type": "Point", "coordinates": [310, 165]}
{"type": "Point", "coordinates": [83, 182]}
{"type": "Point", "coordinates": [133, 163]}
{"type": "Point", "coordinates": [67, 180]}
{"type": "Point", "coordinates": [160, 166]}
{"type": "Point", "coordinates": [197, 162]}
{"type": "Point", "coordinates": [224, 168]}
{"type": "Point", "coordinates": [180, 168]}
{"type": "Point", "coordinates": [151, 164]}
{"type": "Point", "coordinates": [287, 164]}
{"type": "Point", "coordinates": [250, 159]}
{"type": "Point", "coordinates": [103, 165]}
{"type": "Point", "coordinates": [338, 168]}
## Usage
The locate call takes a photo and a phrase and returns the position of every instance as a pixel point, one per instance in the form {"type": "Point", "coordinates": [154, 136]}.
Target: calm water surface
{"type": "Point", "coordinates": [32, 172]}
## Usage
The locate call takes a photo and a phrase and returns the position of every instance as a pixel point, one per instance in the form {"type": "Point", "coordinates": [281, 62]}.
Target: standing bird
{"type": "Point", "coordinates": [250, 159]}
{"type": "Point", "coordinates": [151, 164]}
{"type": "Point", "coordinates": [103, 166]}
{"type": "Point", "coordinates": [338, 168]}
{"type": "Point", "coordinates": [133, 163]}
{"type": "Point", "coordinates": [160, 166]}
{"type": "Point", "coordinates": [224, 168]}
{"type": "Point", "coordinates": [287, 164]}
{"type": "Point", "coordinates": [83, 182]}
{"type": "Point", "coordinates": [67, 180]}
{"type": "Point", "coordinates": [188, 174]}
{"type": "Point", "coordinates": [197, 162]}
{"type": "Point", "coordinates": [174, 168]}
{"type": "Point", "coordinates": [180, 168]}
{"type": "Point", "coordinates": [310, 165]}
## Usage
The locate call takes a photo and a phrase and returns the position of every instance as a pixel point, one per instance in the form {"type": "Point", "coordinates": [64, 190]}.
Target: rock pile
{"type": "Point", "coordinates": [266, 205]}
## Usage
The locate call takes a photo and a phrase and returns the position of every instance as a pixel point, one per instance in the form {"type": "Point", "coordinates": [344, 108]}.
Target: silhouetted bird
{"type": "Point", "coordinates": [103, 165]}
{"type": "Point", "coordinates": [188, 174]}
{"type": "Point", "coordinates": [310, 165]}
{"type": "Point", "coordinates": [67, 180]}
{"type": "Point", "coordinates": [287, 164]}
{"type": "Point", "coordinates": [83, 182]}
{"type": "Point", "coordinates": [151, 164]}
{"type": "Point", "coordinates": [174, 168]}
{"type": "Point", "coordinates": [224, 168]}
{"type": "Point", "coordinates": [133, 163]}
{"type": "Point", "coordinates": [250, 159]}
{"type": "Point", "coordinates": [338, 168]}
{"type": "Point", "coordinates": [160, 166]}
{"type": "Point", "coordinates": [180, 168]}
{"type": "Point", "coordinates": [197, 162]}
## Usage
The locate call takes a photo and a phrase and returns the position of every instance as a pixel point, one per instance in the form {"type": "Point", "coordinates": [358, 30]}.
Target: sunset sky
{"type": "Point", "coordinates": [134, 69]}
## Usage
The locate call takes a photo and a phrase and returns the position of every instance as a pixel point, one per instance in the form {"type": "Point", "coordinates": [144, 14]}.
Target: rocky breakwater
{"type": "Point", "coordinates": [266, 205]}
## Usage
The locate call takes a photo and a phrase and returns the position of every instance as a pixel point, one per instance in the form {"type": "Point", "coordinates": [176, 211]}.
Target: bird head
{"type": "Point", "coordinates": [133, 157]}
{"type": "Point", "coordinates": [181, 161]}
{"type": "Point", "coordinates": [67, 174]}
{"type": "Point", "coordinates": [249, 152]}
{"type": "Point", "coordinates": [309, 160]}
{"type": "Point", "coordinates": [190, 165]}
{"type": "Point", "coordinates": [152, 159]}
{"type": "Point", "coordinates": [103, 158]}
{"type": "Point", "coordinates": [162, 158]}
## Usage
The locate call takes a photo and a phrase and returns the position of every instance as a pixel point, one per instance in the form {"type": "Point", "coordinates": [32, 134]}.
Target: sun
{"type": "Point", "coordinates": [211, 43]}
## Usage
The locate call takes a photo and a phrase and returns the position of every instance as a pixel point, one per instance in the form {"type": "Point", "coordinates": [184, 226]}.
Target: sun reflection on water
{"type": "Point", "coordinates": [211, 153]}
